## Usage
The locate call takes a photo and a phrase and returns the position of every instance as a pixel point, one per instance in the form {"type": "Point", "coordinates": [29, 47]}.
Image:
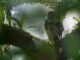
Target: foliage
{"type": "Point", "coordinates": [67, 48]}
{"type": "Point", "coordinates": [69, 44]}
{"type": "Point", "coordinates": [1, 15]}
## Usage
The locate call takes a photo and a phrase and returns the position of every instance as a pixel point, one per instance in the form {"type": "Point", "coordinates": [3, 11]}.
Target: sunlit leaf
{"type": "Point", "coordinates": [1, 15]}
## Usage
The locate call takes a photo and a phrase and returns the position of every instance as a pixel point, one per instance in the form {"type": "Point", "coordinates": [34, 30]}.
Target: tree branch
{"type": "Point", "coordinates": [17, 37]}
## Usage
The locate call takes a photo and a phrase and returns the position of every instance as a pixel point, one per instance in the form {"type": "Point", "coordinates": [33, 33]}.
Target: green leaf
{"type": "Point", "coordinates": [77, 19]}
{"type": "Point", "coordinates": [1, 15]}
{"type": "Point", "coordinates": [46, 50]}
{"type": "Point", "coordinates": [72, 45]}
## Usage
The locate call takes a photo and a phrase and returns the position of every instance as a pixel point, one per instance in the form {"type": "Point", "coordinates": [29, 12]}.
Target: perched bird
{"type": "Point", "coordinates": [54, 30]}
